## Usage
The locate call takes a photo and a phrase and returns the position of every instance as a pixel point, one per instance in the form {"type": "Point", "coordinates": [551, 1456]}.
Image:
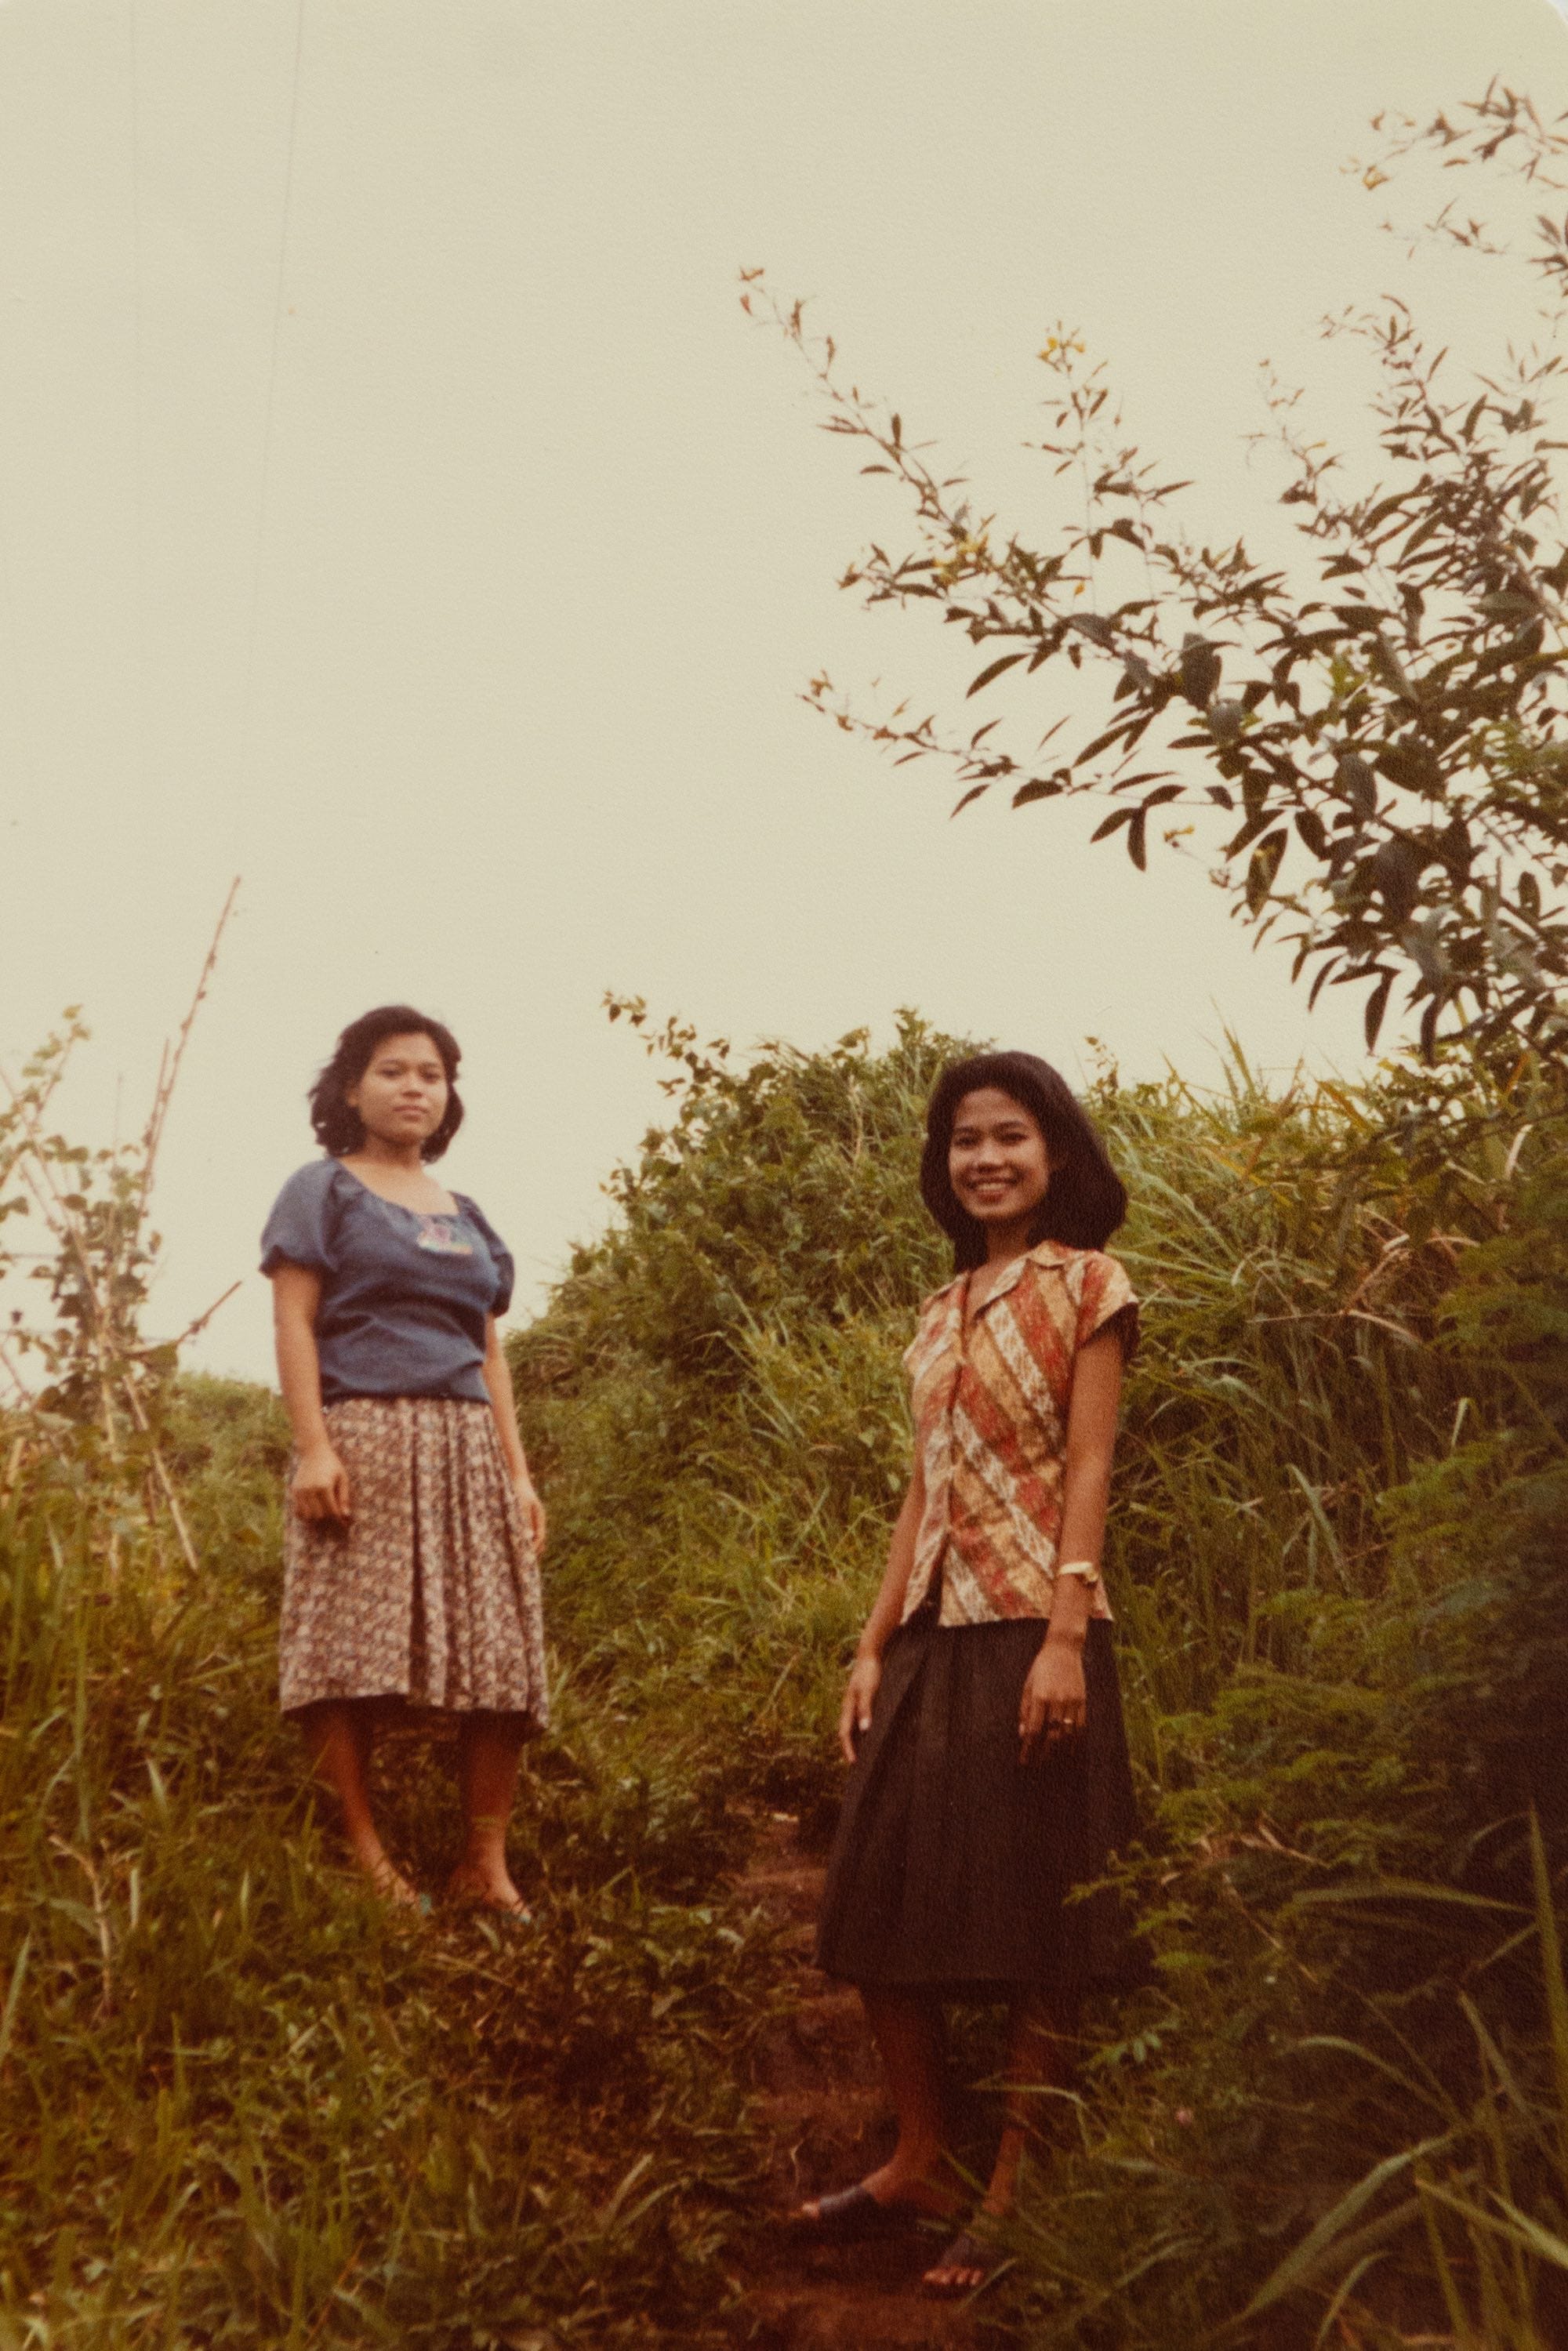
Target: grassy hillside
{"type": "Point", "coordinates": [244, 2104]}
{"type": "Point", "coordinates": [1339, 1529]}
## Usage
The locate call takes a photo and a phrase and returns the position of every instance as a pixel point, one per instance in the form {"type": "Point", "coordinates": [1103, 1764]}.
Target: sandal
{"type": "Point", "coordinates": [851, 2213]}
{"type": "Point", "coordinates": [965, 2252]}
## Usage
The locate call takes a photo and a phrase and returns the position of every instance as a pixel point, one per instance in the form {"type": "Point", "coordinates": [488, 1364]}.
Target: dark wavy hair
{"type": "Point", "coordinates": [340, 1129]}
{"type": "Point", "coordinates": [1086, 1199]}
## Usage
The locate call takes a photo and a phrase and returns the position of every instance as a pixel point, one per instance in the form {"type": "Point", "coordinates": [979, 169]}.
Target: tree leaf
{"type": "Point", "coordinates": [1396, 873]}
{"type": "Point", "coordinates": [1101, 742]}
{"type": "Point", "coordinates": [1354, 781]}
{"type": "Point", "coordinates": [1376, 1005]}
{"type": "Point", "coordinates": [1411, 764]}
{"type": "Point", "coordinates": [1261, 869]}
{"type": "Point", "coordinates": [1200, 671]}
{"type": "Point", "coordinates": [1255, 824]}
{"type": "Point", "coordinates": [995, 670]}
{"type": "Point", "coordinates": [1390, 669]}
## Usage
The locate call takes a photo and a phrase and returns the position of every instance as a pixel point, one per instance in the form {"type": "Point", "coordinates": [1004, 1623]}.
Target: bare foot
{"type": "Point", "coordinates": [372, 1857]}
{"type": "Point", "coordinates": [391, 1884]}
{"type": "Point", "coordinates": [488, 1889]}
{"type": "Point", "coordinates": [963, 2268]}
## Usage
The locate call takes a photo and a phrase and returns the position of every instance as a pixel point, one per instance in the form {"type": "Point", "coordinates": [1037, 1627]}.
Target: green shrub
{"type": "Point", "coordinates": [244, 2104]}
{"type": "Point", "coordinates": [1336, 1561]}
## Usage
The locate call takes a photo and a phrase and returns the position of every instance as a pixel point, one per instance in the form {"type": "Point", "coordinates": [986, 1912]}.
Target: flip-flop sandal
{"type": "Point", "coordinates": [852, 2213]}
{"type": "Point", "coordinates": [964, 2253]}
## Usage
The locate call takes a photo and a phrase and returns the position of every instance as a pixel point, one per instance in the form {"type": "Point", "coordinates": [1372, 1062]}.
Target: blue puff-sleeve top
{"type": "Point", "coordinates": [405, 1293]}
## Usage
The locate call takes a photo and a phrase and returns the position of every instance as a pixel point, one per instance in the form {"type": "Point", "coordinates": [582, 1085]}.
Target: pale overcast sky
{"type": "Point", "coordinates": [396, 510]}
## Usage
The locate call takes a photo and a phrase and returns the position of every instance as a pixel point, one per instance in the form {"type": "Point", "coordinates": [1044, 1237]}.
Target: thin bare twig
{"type": "Point", "coordinates": [169, 1068]}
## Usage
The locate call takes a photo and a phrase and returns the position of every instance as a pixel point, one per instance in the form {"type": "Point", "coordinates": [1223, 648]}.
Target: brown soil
{"type": "Point", "coordinates": [821, 2107]}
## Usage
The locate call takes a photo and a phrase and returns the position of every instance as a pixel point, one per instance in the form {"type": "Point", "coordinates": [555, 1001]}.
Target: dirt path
{"type": "Point", "coordinates": [824, 2114]}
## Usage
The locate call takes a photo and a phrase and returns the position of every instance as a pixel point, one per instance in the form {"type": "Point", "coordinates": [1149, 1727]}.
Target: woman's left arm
{"type": "Point", "coordinates": [499, 1381]}
{"type": "Point", "coordinates": [1055, 1701]}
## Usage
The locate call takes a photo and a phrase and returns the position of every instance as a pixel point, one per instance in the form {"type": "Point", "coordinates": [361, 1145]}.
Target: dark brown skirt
{"type": "Point", "coordinates": [953, 1863]}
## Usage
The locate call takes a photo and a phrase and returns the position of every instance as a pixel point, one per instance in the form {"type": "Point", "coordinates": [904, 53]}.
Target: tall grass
{"type": "Point", "coordinates": [1337, 1566]}
{"type": "Point", "coordinates": [244, 2104]}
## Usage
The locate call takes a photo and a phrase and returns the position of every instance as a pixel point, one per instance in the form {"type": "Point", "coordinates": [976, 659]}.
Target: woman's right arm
{"type": "Point", "coordinates": [887, 1609]}
{"type": "Point", "coordinates": [320, 1487]}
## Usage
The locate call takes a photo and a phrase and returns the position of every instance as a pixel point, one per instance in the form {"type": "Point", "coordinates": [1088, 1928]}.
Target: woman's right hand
{"type": "Point", "coordinates": [859, 1696]}
{"type": "Point", "coordinates": [320, 1487]}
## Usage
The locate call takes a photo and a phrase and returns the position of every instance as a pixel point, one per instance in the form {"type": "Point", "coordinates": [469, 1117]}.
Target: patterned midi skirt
{"type": "Point", "coordinates": [430, 1595]}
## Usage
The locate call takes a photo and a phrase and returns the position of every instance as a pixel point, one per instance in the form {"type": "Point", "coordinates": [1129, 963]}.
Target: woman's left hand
{"type": "Point", "coordinates": [1055, 1701]}
{"type": "Point", "coordinates": [533, 1512]}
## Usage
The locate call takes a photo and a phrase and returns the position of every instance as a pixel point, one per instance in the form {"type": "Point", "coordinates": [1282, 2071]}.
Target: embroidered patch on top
{"type": "Point", "coordinates": [441, 1235]}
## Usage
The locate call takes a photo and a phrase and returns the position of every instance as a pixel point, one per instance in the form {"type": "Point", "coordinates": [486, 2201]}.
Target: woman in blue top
{"type": "Point", "coordinates": [410, 1559]}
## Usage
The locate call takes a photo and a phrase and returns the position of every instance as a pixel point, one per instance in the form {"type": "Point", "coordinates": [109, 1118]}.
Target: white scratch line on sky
{"type": "Point", "coordinates": [1562, 8]}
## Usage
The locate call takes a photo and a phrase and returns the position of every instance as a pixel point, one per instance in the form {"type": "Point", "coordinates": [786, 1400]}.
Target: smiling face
{"type": "Point", "coordinates": [997, 1163]}
{"type": "Point", "coordinates": [401, 1097]}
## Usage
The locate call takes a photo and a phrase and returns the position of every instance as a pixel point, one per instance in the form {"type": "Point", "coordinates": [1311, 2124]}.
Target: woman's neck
{"type": "Point", "coordinates": [376, 1152]}
{"type": "Point", "coordinates": [1004, 1242]}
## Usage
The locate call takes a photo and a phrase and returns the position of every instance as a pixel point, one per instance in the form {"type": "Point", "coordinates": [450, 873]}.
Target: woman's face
{"type": "Point", "coordinates": [401, 1097]}
{"type": "Point", "coordinates": [997, 1160]}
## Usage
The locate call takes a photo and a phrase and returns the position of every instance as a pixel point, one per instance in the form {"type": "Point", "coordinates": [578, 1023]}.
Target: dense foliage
{"type": "Point", "coordinates": [245, 2104]}
{"type": "Point", "coordinates": [1337, 1565]}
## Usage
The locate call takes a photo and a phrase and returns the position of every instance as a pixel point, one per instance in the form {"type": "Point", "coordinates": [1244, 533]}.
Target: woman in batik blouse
{"type": "Point", "coordinates": [982, 1720]}
{"type": "Point", "coordinates": [410, 1554]}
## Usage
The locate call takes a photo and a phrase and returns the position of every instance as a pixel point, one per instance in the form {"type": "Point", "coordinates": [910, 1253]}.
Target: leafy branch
{"type": "Point", "coordinates": [1374, 752]}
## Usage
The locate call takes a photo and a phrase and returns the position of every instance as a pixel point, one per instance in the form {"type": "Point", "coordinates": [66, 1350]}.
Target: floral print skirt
{"type": "Point", "coordinates": [430, 1595]}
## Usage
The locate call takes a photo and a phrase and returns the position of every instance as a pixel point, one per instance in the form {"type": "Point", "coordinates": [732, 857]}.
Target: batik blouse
{"type": "Point", "coordinates": [991, 1407]}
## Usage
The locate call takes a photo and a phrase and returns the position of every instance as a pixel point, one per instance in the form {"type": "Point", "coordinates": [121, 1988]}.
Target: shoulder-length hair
{"type": "Point", "coordinates": [339, 1127]}
{"type": "Point", "coordinates": [1086, 1199]}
